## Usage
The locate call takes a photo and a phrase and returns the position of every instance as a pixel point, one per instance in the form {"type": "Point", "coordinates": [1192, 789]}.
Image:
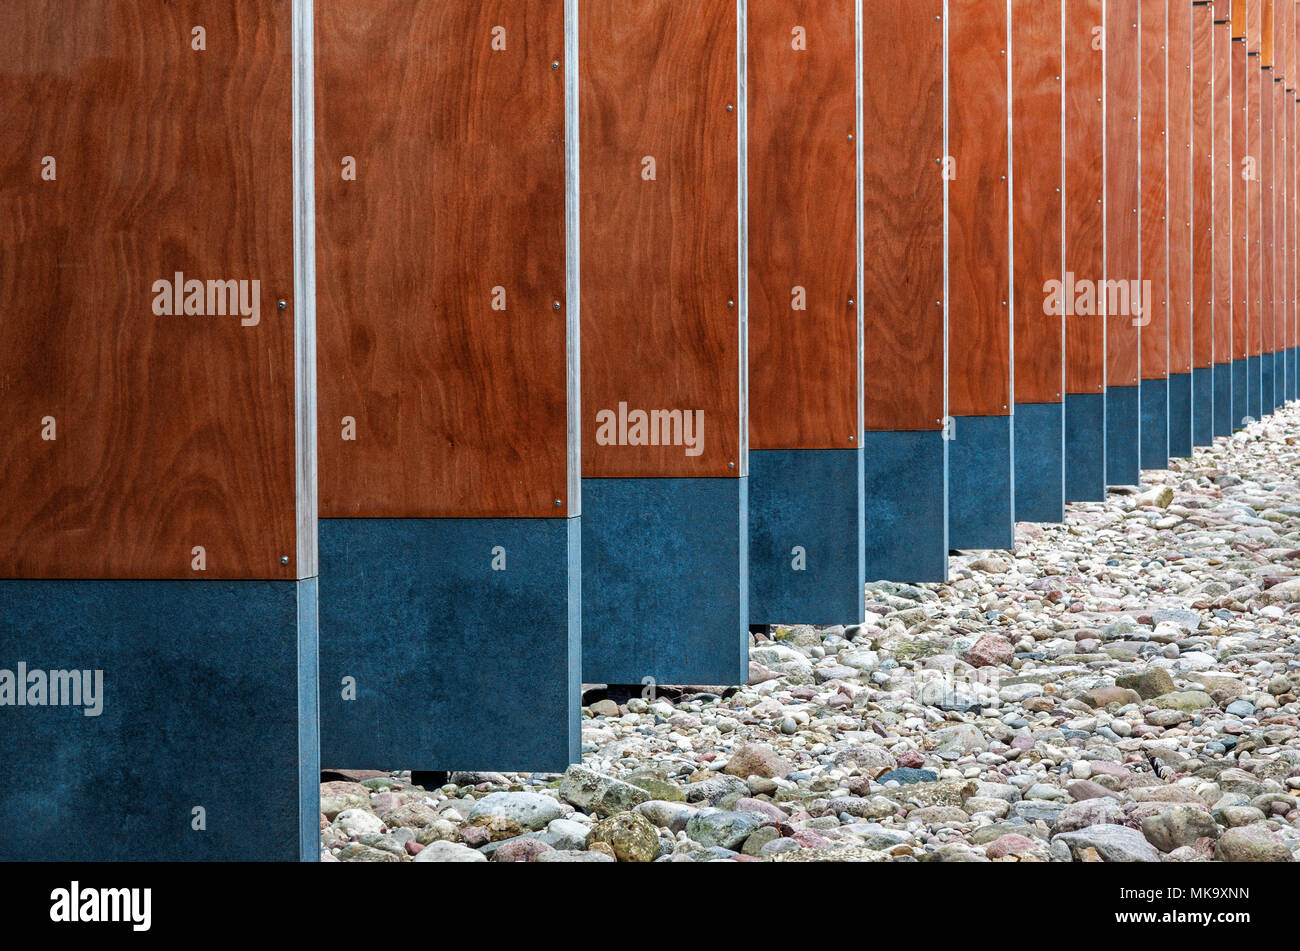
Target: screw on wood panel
{"type": "Point", "coordinates": [555, 65]}
{"type": "Point", "coordinates": [282, 304]}
{"type": "Point", "coordinates": [730, 108]}
{"type": "Point", "coordinates": [731, 303]}
{"type": "Point", "coordinates": [558, 502]}
{"type": "Point", "coordinates": [731, 465]}
{"type": "Point", "coordinates": [555, 306]}
{"type": "Point", "coordinates": [284, 559]}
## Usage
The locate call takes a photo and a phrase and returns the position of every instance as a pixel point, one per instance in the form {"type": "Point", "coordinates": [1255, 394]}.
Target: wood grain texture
{"type": "Point", "coordinates": [1155, 188]}
{"type": "Point", "coordinates": [660, 258]}
{"type": "Point", "coordinates": [1223, 240]}
{"type": "Point", "coordinates": [1241, 250]}
{"type": "Point", "coordinates": [1036, 123]}
{"type": "Point", "coordinates": [1123, 186]}
{"type": "Point", "coordinates": [459, 409]}
{"type": "Point", "coordinates": [979, 248]}
{"type": "Point", "coordinates": [172, 431]}
{"type": "Point", "coordinates": [1203, 187]}
{"type": "Point", "coordinates": [1254, 24]}
{"type": "Point", "coordinates": [1180, 187]}
{"type": "Point", "coordinates": [1085, 336]}
{"type": "Point", "coordinates": [1279, 192]}
{"type": "Point", "coordinates": [803, 204]}
{"type": "Point", "coordinates": [1255, 208]}
{"type": "Point", "coordinates": [1267, 191]}
{"type": "Point", "coordinates": [903, 215]}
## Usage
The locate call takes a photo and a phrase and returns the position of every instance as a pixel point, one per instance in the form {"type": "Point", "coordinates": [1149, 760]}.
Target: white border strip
{"type": "Point", "coordinates": [304, 284]}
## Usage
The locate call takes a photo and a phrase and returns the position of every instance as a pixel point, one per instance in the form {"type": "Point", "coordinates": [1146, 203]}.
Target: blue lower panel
{"type": "Point", "coordinates": [981, 484]}
{"type": "Point", "coordinates": [1222, 399]}
{"type": "Point", "coordinates": [1040, 462]}
{"type": "Point", "coordinates": [906, 497]}
{"type": "Point", "coordinates": [1292, 371]}
{"type": "Point", "coordinates": [1154, 431]}
{"type": "Point", "coordinates": [450, 643]}
{"type": "Point", "coordinates": [1123, 428]}
{"type": "Point", "coordinates": [1279, 379]}
{"type": "Point", "coordinates": [1240, 391]}
{"type": "Point", "coordinates": [1203, 406]}
{"type": "Point", "coordinates": [665, 581]}
{"type": "Point", "coordinates": [806, 544]}
{"type": "Point", "coordinates": [1180, 415]}
{"type": "Point", "coordinates": [1268, 383]}
{"type": "Point", "coordinates": [1255, 387]}
{"type": "Point", "coordinates": [201, 743]}
{"type": "Point", "coordinates": [1085, 447]}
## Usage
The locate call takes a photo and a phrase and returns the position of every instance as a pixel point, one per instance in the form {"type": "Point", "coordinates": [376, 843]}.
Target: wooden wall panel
{"type": "Point", "coordinates": [170, 431]}
{"type": "Point", "coordinates": [1254, 200]}
{"type": "Point", "coordinates": [661, 301]}
{"type": "Point", "coordinates": [1155, 188]}
{"type": "Point", "coordinates": [1085, 336]}
{"type": "Point", "coordinates": [440, 265]}
{"type": "Point", "coordinates": [1180, 187]}
{"type": "Point", "coordinates": [1223, 241]}
{"type": "Point", "coordinates": [1203, 186]}
{"type": "Point", "coordinates": [1242, 253]}
{"type": "Point", "coordinates": [979, 265]}
{"type": "Point", "coordinates": [903, 215]}
{"type": "Point", "coordinates": [1036, 123]}
{"type": "Point", "coordinates": [1280, 239]}
{"type": "Point", "coordinates": [1268, 259]}
{"type": "Point", "coordinates": [803, 381]}
{"type": "Point", "coordinates": [1123, 187]}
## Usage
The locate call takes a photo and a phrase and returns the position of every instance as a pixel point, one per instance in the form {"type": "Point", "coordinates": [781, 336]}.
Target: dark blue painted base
{"type": "Point", "coordinates": [1180, 415]}
{"type": "Point", "coordinates": [806, 540]}
{"type": "Point", "coordinates": [1223, 399]}
{"type": "Point", "coordinates": [906, 506]}
{"type": "Point", "coordinates": [1154, 431]}
{"type": "Point", "coordinates": [1268, 382]}
{"type": "Point", "coordinates": [1085, 447]}
{"type": "Point", "coordinates": [208, 702]}
{"type": "Point", "coordinates": [981, 484]}
{"type": "Point", "coordinates": [1292, 370]}
{"type": "Point", "coordinates": [1240, 389]}
{"type": "Point", "coordinates": [1279, 379]}
{"type": "Point", "coordinates": [452, 664]}
{"type": "Point", "coordinates": [1123, 462]}
{"type": "Point", "coordinates": [665, 581]}
{"type": "Point", "coordinates": [1203, 406]}
{"type": "Point", "coordinates": [1040, 462]}
{"type": "Point", "coordinates": [1255, 387]}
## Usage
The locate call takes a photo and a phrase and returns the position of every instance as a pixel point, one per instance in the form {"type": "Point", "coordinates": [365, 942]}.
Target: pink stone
{"type": "Point", "coordinates": [990, 651]}
{"type": "Point", "coordinates": [1010, 844]}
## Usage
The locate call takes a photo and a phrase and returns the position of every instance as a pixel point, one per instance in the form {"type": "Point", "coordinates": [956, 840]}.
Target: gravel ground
{"type": "Point", "coordinates": [1122, 687]}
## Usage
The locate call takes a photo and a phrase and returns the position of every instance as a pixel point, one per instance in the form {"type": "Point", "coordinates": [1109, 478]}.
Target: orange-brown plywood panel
{"type": "Point", "coordinates": [1241, 216]}
{"type": "Point", "coordinates": [1180, 187]}
{"type": "Point", "coordinates": [1268, 256]}
{"type": "Point", "coordinates": [803, 237]}
{"type": "Point", "coordinates": [1254, 24]}
{"type": "Point", "coordinates": [141, 420]}
{"type": "Point", "coordinates": [903, 214]}
{"type": "Point", "coordinates": [1085, 339]}
{"type": "Point", "coordinates": [1203, 187]}
{"type": "Point", "coordinates": [979, 265]}
{"type": "Point", "coordinates": [661, 301]}
{"type": "Point", "coordinates": [1255, 205]}
{"type": "Point", "coordinates": [1036, 123]}
{"type": "Point", "coordinates": [1123, 188]}
{"type": "Point", "coordinates": [1155, 189]}
{"type": "Point", "coordinates": [441, 258]}
{"type": "Point", "coordinates": [1223, 243]}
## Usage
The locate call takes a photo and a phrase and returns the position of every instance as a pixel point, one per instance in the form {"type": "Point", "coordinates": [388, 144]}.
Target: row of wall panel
{"type": "Point", "coordinates": [1242, 253]}
{"type": "Point", "coordinates": [157, 535]}
{"type": "Point", "coordinates": [905, 190]}
{"type": "Point", "coordinates": [981, 474]}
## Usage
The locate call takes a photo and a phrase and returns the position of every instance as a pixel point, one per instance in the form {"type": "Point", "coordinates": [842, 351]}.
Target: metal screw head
{"type": "Point", "coordinates": [282, 304]}
{"type": "Point", "coordinates": [558, 502]}
{"type": "Point", "coordinates": [284, 559]}
{"type": "Point", "coordinates": [555, 306]}
{"type": "Point", "coordinates": [731, 303]}
{"type": "Point", "coordinates": [555, 65]}
{"type": "Point", "coordinates": [731, 465]}
{"type": "Point", "coordinates": [731, 108]}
